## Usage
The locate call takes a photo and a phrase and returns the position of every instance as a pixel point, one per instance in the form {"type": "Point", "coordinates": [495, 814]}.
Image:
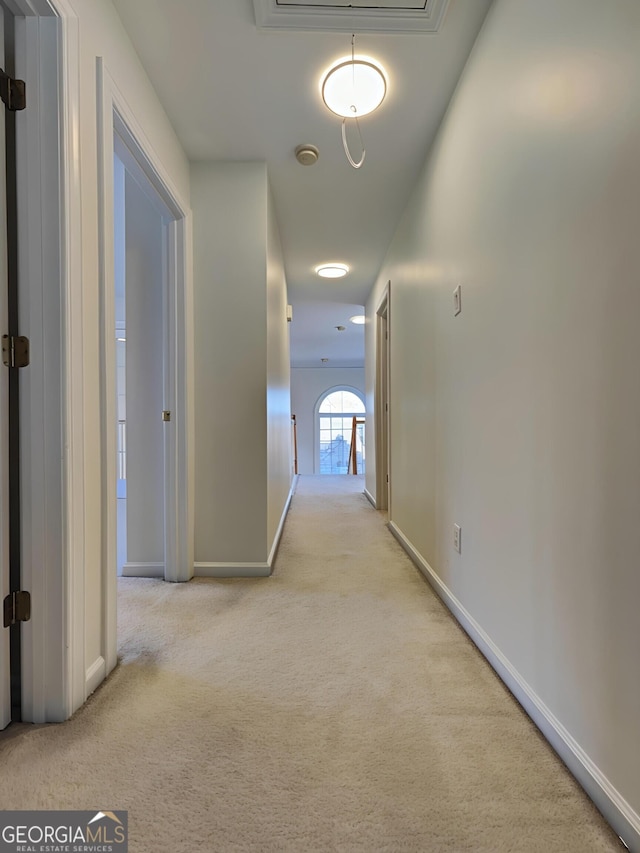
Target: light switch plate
{"type": "Point", "coordinates": [457, 301]}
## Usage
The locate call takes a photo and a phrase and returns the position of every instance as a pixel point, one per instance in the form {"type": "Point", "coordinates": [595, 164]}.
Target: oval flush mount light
{"type": "Point", "coordinates": [332, 270]}
{"type": "Point", "coordinates": [359, 319]}
{"type": "Point", "coordinates": [354, 86]}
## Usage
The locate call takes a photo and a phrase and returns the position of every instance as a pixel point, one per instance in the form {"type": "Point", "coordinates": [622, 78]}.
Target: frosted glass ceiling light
{"type": "Point", "coordinates": [359, 319]}
{"type": "Point", "coordinates": [354, 87]}
{"type": "Point", "coordinates": [332, 270]}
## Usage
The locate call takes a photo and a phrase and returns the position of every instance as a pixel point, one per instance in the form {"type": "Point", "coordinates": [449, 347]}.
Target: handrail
{"type": "Point", "coordinates": [353, 459]}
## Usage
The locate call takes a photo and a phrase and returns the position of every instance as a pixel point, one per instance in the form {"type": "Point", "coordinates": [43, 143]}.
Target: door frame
{"type": "Point", "coordinates": [383, 402]}
{"type": "Point", "coordinates": [317, 416]}
{"type": "Point", "coordinates": [51, 395]}
{"type": "Point", "coordinates": [115, 115]}
{"type": "Point", "coordinates": [5, 575]}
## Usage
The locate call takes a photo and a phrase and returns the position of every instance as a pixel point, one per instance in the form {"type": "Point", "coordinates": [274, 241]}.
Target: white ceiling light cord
{"type": "Point", "coordinates": [345, 144]}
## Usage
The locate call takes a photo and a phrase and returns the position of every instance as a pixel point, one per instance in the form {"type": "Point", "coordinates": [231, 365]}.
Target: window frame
{"type": "Point", "coordinates": [317, 415]}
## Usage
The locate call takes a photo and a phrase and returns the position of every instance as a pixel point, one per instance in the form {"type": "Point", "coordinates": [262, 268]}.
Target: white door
{"type": "Point", "coordinates": [5, 682]}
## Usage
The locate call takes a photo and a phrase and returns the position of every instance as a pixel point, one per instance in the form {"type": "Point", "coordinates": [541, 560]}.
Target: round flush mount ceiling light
{"type": "Point", "coordinates": [354, 87]}
{"type": "Point", "coordinates": [332, 270]}
{"type": "Point", "coordinates": [359, 319]}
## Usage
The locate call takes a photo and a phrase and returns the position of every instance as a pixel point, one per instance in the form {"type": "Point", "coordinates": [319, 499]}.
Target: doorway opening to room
{"type": "Point", "coordinates": [382, 404]}
{"type": "Point", "coordinates": [146, 369]}
{"type": "Point", "coordinates": [141, 220]}
{"type": "Point", "coordinates": [340, 447]}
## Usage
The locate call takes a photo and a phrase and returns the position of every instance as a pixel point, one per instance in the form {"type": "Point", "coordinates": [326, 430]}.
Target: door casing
{"type": "Point", "coordinates": [383, 404]}
{"type": "Point", "coordinates": [115, 117]}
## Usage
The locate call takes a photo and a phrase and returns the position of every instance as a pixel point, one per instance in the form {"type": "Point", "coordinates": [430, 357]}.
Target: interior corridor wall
{"type": "Point", "coordinates": [279, 461]}
{"type": "Point", "coordinates": [241, 379]}
{"type": "Point", "coordinates": [518, 419]}
{"type": "Point", "coordinates": [307, 384]}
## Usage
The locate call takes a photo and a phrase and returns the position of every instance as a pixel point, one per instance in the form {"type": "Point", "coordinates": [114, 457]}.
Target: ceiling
{"type": "Point", "coordinates": [237, 91]}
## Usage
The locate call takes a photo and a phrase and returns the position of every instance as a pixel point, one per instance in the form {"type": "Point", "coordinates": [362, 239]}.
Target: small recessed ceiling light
{"type": "Point", "coordinates": [332, 270]}
{"type": "Point", "coordinates": [359, 319]}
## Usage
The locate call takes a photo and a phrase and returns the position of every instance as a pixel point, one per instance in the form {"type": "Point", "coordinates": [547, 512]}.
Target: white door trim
{"type": "Point", "coordinates": [51, 403]}
{"type": "Point", "coordinates": [382, 403]}
{"type": "Point", "coordinates": [114, 113]}
{"type": "Point", "coordinates": [5, 665]}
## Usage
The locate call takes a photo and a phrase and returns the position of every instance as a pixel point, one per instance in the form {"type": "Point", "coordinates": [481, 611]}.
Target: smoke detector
{"type": "Point", "coordinates": [307, 154]}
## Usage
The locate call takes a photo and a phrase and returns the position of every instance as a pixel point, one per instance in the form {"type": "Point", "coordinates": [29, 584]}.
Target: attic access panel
{"type": "Point", "coordinates": [382, 16]}
{"type": "Point", "coordinates": [360, 4]}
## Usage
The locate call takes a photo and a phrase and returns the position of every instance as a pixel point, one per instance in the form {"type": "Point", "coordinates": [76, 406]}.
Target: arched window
{"type": "Point", "coordinates": [336, 410]}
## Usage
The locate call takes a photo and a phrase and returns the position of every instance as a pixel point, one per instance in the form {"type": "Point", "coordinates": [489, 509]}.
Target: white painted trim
{"type": "Point", "coordinates": [270, 15]}
{"type": "Point", "coordinates": [51, 395]}
{"type": "Point", "coordinates": [370, 498]}
{"type": "Point", "coordinates": [381, 417]}
{"type": "Point", "coordinates": [615, 809]}
{"type": "Point", "coordinates": [248, 570]}
{"type": "Point", "coordinates": [232, 570]}
{"type": "Point", "coordinates": [95, 674]}
{"type": "Point", "coordinates": [5, 665]}
{"type": "Point", "coordinates": [143, 570]}
{"type": "Point", "coordinates": [276, 539]}
{"type": "Point", "coordinates": [115, 113]}
{"type": "Point", "coordinates": [73, 324]}
{"type": "Point", "coordinates": [316, 417]}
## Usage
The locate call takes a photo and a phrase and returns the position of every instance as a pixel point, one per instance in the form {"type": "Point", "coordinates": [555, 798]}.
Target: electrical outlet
{"type": "Point", "coordinates": [457, 538]}
{"type": "Point", "coordinates": [457, 301]}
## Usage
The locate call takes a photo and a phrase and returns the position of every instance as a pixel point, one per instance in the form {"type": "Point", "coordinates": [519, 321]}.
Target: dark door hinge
{"type": "Point", "coordinates": [12, 92]}
{"type": "Point", "coordinates": [15, 351]}
{"type": "Point", "coordinates": [17, 608]}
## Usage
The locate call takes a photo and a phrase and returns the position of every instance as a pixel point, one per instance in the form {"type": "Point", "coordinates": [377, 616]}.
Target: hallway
{"type": "Point", "coordinates": [335, 706]}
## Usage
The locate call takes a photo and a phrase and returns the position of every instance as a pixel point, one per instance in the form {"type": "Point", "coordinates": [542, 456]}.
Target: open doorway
{"type": "Point", "coordinates": [147, 377]}
{"type": "Point", "coordinates": [382, 404]}
{"type": "Point", "coordinates": [141, 222]}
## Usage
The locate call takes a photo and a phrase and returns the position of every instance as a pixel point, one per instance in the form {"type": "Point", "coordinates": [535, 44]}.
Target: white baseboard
{"type": "Point", "coordinates": [278, 536]}
{"type": "Point", "coordinates": [231, 570]}
{"type": "Point", "coordinates": [143, 570]}
{"type": "Point", "coordinates": [95, 675]}
{"type": "Point", "coordinates": [370, 498]}
{"type": "Point", "coordinates": [248, 570]}
{"type": "Point", "coordinates": [624, 820]}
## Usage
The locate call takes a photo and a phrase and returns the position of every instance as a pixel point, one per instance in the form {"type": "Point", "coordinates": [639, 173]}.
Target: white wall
{"type": "Point", "coordinates": [519, 418]}
{"type": "Point", "coordinates": [307, 385]}
{"type": "Point", "coordinates": [279, 464]}
{"type": "Point", "coordinates": [241, 382]}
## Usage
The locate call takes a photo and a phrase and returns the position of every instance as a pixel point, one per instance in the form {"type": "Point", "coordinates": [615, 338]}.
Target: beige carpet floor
{"type": "Point", "coordinates": [335, 706]}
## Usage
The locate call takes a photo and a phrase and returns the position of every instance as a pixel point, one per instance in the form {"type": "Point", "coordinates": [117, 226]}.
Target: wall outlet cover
{"type": "Point", "coordinates": [457, 538]}
{"type": "Point", "coordinates": [457, 301]}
